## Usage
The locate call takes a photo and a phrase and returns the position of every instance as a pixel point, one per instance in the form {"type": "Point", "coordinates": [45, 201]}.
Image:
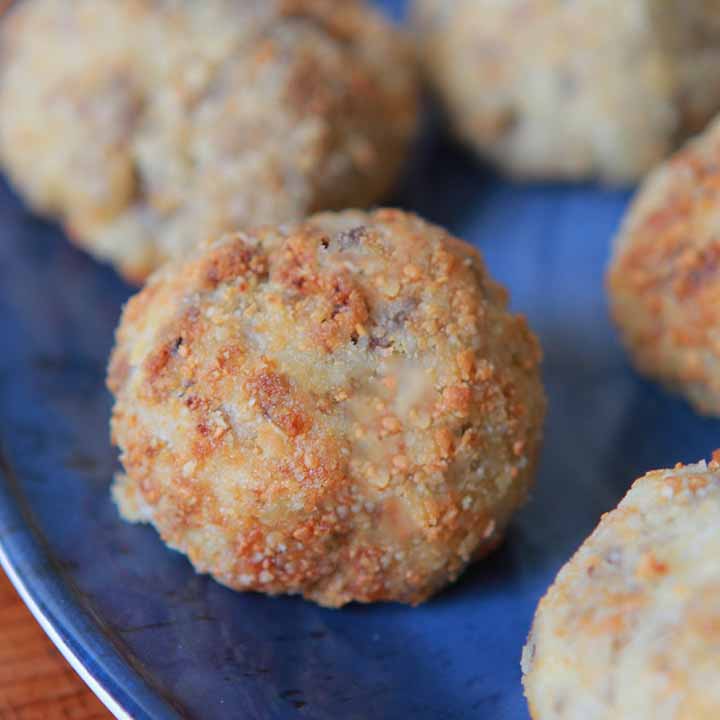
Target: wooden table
{"type": "Point", "coordinates": [36, 683]}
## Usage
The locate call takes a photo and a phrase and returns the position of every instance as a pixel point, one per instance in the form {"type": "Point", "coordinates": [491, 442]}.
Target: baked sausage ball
{"type": "Point", "coordinates": [147, 125]}
{"type": "Point", "coordinates": [664, 279]}
{"type": "Point", "coordinates": [589, 88]}
{"type": "Point", "coordinates": [631, 628]}
{"type": "Point", "coordinates": [343, 408]}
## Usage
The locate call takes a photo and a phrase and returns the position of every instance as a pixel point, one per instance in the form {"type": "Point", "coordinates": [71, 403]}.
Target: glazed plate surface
{"type": "Point", "coordinates": [157, 641]}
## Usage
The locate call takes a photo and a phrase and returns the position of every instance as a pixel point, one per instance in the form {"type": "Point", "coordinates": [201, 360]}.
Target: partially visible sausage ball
{"type": "Point", "coordinates": [589, 88]}
{"type": "Point", "coordinates": [147, 125]}
{"type": "Point", "coordinates": [664, 279]}
{"type": "Point", "coordinates": [343, 408]}
{"type": "Point", "coordinates": [631, 628]}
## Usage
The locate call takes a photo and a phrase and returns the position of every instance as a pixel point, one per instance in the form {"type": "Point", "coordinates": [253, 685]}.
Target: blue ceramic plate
{"type": "Point", "coordinates": [157, 641]}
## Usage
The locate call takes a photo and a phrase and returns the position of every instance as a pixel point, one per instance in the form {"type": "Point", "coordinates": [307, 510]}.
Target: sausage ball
{"type": "Point", "coordinates": [664, 279]}
{"type": "Point", "coordinates": [148, 125]}
{"type": "Point", "coordinates": [631, 628]}
{"type": "Point", "coordinates": [343, 408]}
{"type": "Point", "coordinates": [558, 89]}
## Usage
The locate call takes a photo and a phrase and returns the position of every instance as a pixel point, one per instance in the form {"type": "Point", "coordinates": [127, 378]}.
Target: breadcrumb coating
{"type": "Point", "coordinates": [664, 279]}
{"type": "Point", "coordinates": [631, 627]}
{"type": "Point", "coordinates": [342, 408]}
{"type": "Point", "coordinates": [589, 88]}
{"type": "Point", "coordinates": [146, 126]}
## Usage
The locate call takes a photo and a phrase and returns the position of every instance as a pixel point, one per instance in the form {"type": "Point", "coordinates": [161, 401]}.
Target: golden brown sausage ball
{"type": "Point", "coordinates": [343, 408]}
{"type": "Point", "coordinates": [664, 279]}
{"type": "Point", "coordinates": [558, 89]}
{"type": "Point", "coordinates": [147, 125]}
{"type": "Point", "coordinates": [631, 628]}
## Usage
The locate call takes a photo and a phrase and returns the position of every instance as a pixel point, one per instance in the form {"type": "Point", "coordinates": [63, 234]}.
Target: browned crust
{"type": "Point", "coordinates": [283, 108]}
{"type": "Point", "coordinates": [342, 408]}
{"type": "Point", "coordinates": [631, 626]}
{"type": "Point", "coordinates": [663, 281]}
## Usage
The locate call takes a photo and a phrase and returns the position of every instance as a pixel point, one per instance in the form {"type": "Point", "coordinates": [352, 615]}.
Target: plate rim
{"type": "Point", "coordinates": [70, 626]}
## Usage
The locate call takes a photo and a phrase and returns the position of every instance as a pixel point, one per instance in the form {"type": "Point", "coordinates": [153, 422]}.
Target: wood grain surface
{"type": "Point", "coordinates": [36, 683]}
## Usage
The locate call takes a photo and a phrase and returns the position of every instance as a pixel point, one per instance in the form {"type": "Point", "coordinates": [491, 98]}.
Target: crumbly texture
{"type": "Point", "coordinates": [343, 408]}
{"type": "Point", "coordinates": [589, 88]}
{"type": "Point", "coordinates": [664, 278]}
{"type": "Point", "coordinates": [148, 125]}
{"type": "Point", "coordinates": [631, 628]}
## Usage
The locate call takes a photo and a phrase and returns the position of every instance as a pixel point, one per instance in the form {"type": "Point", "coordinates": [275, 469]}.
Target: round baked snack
{"type": "Point", "coordinates": [664, 279]}
{"type": "Point", "coordinates": [558, 89]}
{"type": "Point", "coordinates": [147, 125]}
{"type": "Point", "coordinates": [343, 408]}
{"type": "Point", "coordinates": [631, 628]}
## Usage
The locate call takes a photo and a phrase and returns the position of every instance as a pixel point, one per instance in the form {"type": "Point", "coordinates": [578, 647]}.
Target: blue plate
{"type": "Point", "coordinates": [157, 641]}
